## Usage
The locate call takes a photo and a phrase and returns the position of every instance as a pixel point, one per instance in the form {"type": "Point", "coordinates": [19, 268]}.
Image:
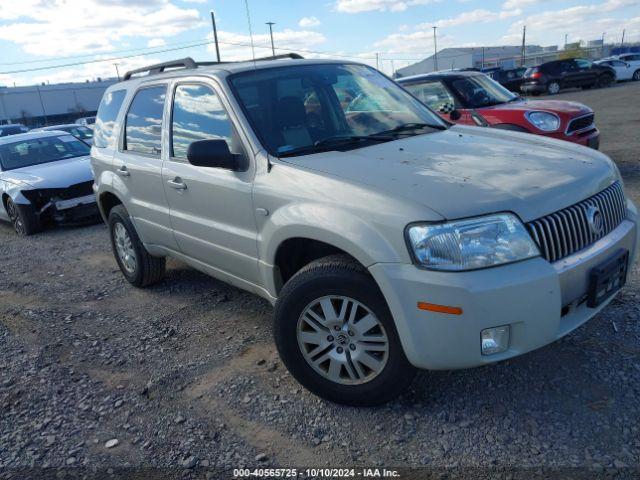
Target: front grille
{"type": "Point", "coordinates": [567, 231]}
{"type": "Point", "coordinates": [78, 190]}
{"type": "Point", "coordinates": [580, 123]}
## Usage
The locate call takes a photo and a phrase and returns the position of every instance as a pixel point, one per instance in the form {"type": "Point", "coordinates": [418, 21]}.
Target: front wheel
{"type": "Point", "coordinates": [137, 265]}
{"type": "Point", "coordinates": [336, 336]}
{"type": "Point", "coordinates": [24, 219]}
{"type": "Point", "coordinates": [636, 75]}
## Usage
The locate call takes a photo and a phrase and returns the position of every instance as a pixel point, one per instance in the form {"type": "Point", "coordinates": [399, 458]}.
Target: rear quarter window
{"type": "Point", "coordinates": [104, 131]}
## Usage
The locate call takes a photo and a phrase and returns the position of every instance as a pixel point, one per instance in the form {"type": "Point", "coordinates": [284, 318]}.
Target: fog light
{"type": "Point", "coordinates": [494, 340]}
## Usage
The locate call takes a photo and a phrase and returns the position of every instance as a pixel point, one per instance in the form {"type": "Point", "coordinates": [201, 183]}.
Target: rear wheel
{"type": "Point", "coordinates": [24, 219]}
{"type": "Point", "coordinates": [137, 265]}
{"type": "Point", "coordinates": [636, 75]}
{"type": "Point", "coordinates": [553, 88]}
{"type": "Point", "coordinates": [335, 334]}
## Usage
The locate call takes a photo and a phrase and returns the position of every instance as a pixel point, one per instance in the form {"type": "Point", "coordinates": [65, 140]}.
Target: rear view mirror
{"type": "Point", "coordinates": [212, 154]}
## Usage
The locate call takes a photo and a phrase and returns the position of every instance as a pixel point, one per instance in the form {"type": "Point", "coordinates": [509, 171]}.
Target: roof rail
{"type": "Point", "coordinates": [186, 62]}
{"type": "Point", "coordinates": [189, 63]}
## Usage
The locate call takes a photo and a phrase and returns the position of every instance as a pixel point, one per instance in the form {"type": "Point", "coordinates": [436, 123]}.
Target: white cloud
{"type": "Point", "coordinates": [66, 27]}
{"type": "Point", "coordinates": [156, 42]}
{"type": "Point", "coordinates": [511, 4]}
{"type": "Point", "coordinates": [235, 46]}
{"type": "Point", "coordinates": [358, 6]}
{"type": "Point", "coordinates": [474, 16]}
{"type": "Point", "coordinates": [419, 42]}
{"type": "Point", "coordinates": [308, 22]}
{"type": "Point", "coordinates": [582, 22]}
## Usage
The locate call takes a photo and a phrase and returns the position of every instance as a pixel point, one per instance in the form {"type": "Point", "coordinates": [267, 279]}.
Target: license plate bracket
{"type": "Point", "coordinates": [607, 278]}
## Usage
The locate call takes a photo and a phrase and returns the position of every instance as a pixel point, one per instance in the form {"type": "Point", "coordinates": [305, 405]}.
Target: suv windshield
{"type": "Point", "coordinates": [308, 108]}
{"type": "Point", "coordinates": [480, 91]}
{"type": "Point", "coordinates": [40, 150]}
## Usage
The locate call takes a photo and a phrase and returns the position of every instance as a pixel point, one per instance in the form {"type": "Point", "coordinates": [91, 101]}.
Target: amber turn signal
{"type": "Point", "coordinates": [432, 307]}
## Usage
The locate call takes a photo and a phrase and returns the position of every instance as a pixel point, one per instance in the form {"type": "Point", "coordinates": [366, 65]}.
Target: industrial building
{"type": "Point", "coordinates": [508, 56]}
{"type": "Point", "coordinates": [45, 104]}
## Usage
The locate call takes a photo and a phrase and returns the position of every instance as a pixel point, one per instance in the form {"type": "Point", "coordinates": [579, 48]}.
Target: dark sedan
{"type": "Point", "coordinates": [551, 77]}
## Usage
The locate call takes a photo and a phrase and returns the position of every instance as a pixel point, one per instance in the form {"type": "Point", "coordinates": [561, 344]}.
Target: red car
{"type": "Point", "coordinates": [472, 98]}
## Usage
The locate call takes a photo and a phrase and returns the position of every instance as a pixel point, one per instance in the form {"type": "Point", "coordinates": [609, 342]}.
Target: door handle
{"type": "Point", "coordinates": [123, 171]}
{"type": "Point", "coordinates": [177, 183]}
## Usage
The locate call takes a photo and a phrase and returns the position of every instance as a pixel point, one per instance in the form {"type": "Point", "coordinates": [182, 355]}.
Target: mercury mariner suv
{"type": "Point", "coordinates": [387, 239]}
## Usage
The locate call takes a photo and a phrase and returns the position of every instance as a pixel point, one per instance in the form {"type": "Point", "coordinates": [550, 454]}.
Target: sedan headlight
{"type": "Point", "coordinates": [470, 244]}
{"type": "Point", "coordinates": [545, 121]}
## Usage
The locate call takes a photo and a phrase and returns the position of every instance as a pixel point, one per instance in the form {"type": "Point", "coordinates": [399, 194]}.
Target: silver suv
{"type": "Point", "coordinates": [387, 239]}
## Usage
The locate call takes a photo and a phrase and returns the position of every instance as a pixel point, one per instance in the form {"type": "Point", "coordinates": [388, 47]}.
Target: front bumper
{"type": "Point", "coordinates": [588, 137]}
{"type": "Point", "coordinates": [540, 301]}
{"type": "Point", "coordinates": [74, 210]}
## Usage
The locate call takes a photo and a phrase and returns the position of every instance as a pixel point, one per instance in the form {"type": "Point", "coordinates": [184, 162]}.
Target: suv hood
{"type": "Point", "coordinates": [573, 109]}
{"type": "Point", "coordinates": [469, 171]}
{"type": "Point", "coordinates": [59, 174]}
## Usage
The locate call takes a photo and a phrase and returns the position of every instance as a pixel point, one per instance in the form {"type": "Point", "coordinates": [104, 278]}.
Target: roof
{"type": "Point", "coordinates": [29, 136]}
{"type": "Point", "coordinates": [439, 75]}
{"type": "Point", "coordinates": [221, 69]}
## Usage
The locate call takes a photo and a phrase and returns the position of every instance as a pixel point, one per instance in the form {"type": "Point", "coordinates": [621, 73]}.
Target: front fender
{"type": "Point", "coordinates": [324, 223]}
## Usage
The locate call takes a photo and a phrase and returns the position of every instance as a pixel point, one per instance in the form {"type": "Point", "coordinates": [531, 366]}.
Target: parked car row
{"type": "Point", "coordinates": [553, 76]}
{"type": "Point", "coordinates": [387, 238]}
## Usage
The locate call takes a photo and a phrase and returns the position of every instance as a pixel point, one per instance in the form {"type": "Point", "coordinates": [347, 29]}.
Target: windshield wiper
{"type": "Point", "coordinates": [334, 142]}
{"type": "Point", "coordinates": [409, 127]}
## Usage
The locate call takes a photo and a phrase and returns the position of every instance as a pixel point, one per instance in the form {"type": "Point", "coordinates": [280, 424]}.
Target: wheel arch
{"type": "Point", "coordinates": [295, 236]}
{"type": "Point", "coordinates": [106, 201]}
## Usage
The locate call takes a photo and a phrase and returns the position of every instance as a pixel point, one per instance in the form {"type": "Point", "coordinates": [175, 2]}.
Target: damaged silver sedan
{"type": "Point", "coordinates": [45, 177]}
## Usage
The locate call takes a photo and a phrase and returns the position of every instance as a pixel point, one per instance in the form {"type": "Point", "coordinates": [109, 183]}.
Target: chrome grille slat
{"type": "Point", "coordinates": [567, 231]}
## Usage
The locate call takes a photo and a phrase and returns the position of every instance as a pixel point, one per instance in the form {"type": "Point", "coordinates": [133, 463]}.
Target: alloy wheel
{"type": "Point", "coordinates": [342, 340]}
{"type": "Point", "coordinates": [14, 217]}
{"type": "Point", "coordinates": [124, 247]}
{"type": "Point", "coordinates": [553, 88]}
{"type": "Point", "coordinates": [636, 75]}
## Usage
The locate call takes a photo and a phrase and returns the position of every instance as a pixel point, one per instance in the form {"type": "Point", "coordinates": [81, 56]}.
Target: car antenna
{"type": "Point", "coordinates": [253, 50]}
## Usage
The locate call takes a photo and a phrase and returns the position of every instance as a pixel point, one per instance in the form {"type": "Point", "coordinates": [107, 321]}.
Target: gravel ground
{"type": "Point", "coordinates": [185, 375]}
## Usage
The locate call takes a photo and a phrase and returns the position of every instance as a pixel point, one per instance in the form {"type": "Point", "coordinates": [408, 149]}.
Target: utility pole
{"type": "Point", "coordinates": [44, 112]}
{"type": "Point", "coordinates": [524, 36]}
{"type": "Point", "coordinates": [117, 71]}
{"type": "Point", "coordinates": [483, 57]}
{"type": "Point", "coordinates": [622, 42]}
{"type": "Point", "coordinates": [602, 53]}
{"type": "Point", "coordinates": [393, 69]}
{"type": "Point", "coordinates": [565, 40]}
{"type": "Point", "coordinates": [215, 35]}
{"type": "Point", "coordinates": [435, 51]}
{"type": "Point", "coordinates": [377, 61]}
{"type": "Point", "coordinates": [273, 49]}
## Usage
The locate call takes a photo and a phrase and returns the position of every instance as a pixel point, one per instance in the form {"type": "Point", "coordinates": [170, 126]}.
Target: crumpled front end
{"type": "Point", "coordinates": [73, 204]}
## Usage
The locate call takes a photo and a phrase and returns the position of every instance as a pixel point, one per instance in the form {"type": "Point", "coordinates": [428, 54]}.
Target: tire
{"type": "Point", "coordinates": [24, 219]}
{"type": "Point", "coordinates": [337, 279]}
{"type": "Point", "coordinates": [136, 264]}
{"type": "Point", "coordinates": [605, 81]}
{"type": "Point", "coordinates": [553, 88]}
{"type": "Point", "coordinates": [636, 75]}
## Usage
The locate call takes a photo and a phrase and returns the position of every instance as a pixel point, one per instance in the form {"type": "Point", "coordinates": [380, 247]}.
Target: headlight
{"type": "Point", "coordinates": [545, 121]}
{"type": "Point", "coordinates": [470, 244]}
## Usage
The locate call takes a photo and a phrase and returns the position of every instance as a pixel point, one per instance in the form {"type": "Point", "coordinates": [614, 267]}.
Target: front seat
{"type": "Point", "coordinates": [292, 122]}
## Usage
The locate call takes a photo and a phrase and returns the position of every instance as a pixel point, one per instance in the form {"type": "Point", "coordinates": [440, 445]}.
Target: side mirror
{"type": "Point", "coordinates": [455, 115]}
{"type": "Point", "coordinates": [212, 154]}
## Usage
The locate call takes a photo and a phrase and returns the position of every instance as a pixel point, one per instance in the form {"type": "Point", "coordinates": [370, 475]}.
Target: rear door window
{"type": "Point", "coordinates": [105, 121]}
{"type": "Point", "coordinates": [143, 124]}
